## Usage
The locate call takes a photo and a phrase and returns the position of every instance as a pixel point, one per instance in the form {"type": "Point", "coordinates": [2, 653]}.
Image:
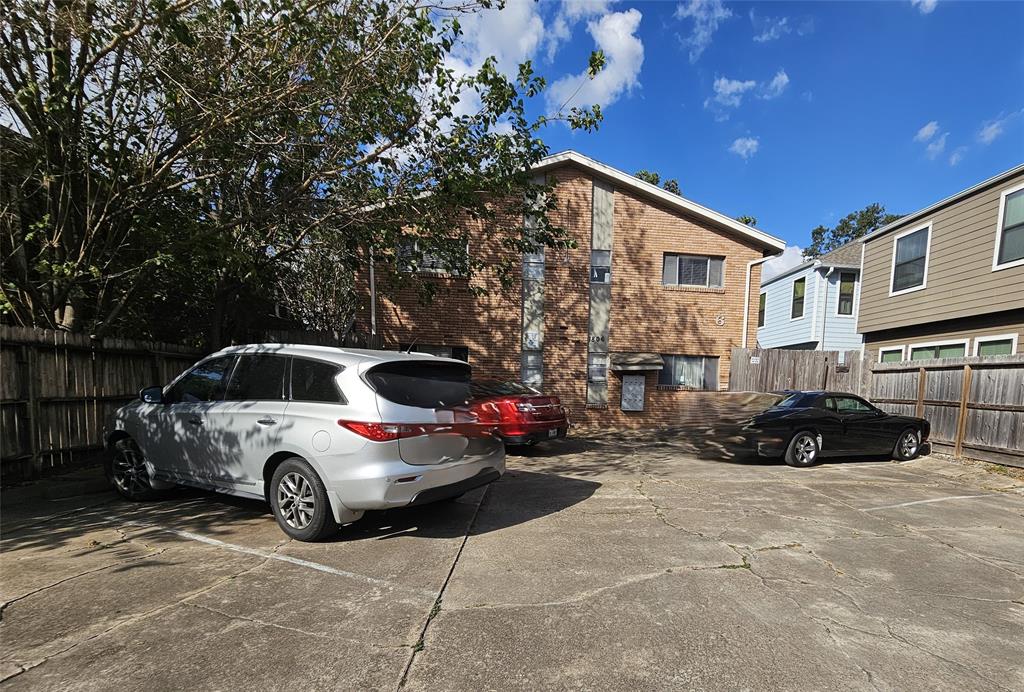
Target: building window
{"type": "Point", "coordinates": [412, 259]}
{"type": "Point", "coordinates": [597, 367]}
{"type": "Point", "coordinates": [956, 349]}
{"type": "Point", "coordinates": [910, 260]}
{"type": "Point", "coordinates": [847, 282]}
{"type": "Point", "coordinates": [692, 270]}
{"type": "Point", "coordinates": [690, 372]}
{"type": "Point", "coordinates": [601, 267]}
{"type": "Point", "coordinates": [456, 352]}
{"type": "Point", "coordinates": [533, 368]}
{"type": "Point", "coordinates": [533, 265]}
{"type": "Point", "coordinates": [760, 309]}
{"type": "Point", "coordinates": [890, 355]}
{"type": "Point", "coordinates": [1010, 233]}
{"type": "Point", "coordinates": [799, 290]}
{"type": "Point", "coordinates": [1004, 345]}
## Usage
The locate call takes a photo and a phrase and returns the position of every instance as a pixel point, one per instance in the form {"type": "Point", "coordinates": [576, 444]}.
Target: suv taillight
{"type": "Point", "coordinates": [389, 432]}
{"type": "Point", "coordinates": [377, 432]}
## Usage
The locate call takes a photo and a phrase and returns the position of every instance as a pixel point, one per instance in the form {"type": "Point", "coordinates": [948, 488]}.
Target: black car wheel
{"type": "Point", "coordinates": [299, 500]}
{"type": "Point", "coordinates": [803, 450]}
{"type": "Point", "coordinates": [127, 471]}
{"type": "Point", "coordinates": [908, 445]}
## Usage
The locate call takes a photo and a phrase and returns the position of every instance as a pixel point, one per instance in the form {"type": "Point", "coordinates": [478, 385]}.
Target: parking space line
{"type": "Point", "coordinates": [924, 502]}
{"type": "Point", "coordinates": [272, 556]}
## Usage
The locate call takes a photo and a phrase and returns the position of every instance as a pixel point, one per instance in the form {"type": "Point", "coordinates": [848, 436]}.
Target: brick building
{"type": "Point", "coordinates": [632, 328]}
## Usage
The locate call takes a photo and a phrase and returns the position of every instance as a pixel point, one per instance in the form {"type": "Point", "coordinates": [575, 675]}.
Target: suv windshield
{"type": "Point", "coordinates": [421, 383]}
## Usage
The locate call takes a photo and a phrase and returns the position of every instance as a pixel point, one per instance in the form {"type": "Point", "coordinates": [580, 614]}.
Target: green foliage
{"type": "Point", "coordinates": [182, 165]}
{"type": "Point", "coordinates": [748, 220]}
{"type": "Point", "coordinates": [670, 185]}
{"type": "Point", "coordinates": [852, 226]}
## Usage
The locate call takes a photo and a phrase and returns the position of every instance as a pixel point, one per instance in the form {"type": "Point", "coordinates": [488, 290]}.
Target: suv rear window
{"type": "Point", "coordinates": [421, 383]}
{"type": "Point", "coordinates": [313, 380]}
{"type": "Point", "coordinates": [484, 388]}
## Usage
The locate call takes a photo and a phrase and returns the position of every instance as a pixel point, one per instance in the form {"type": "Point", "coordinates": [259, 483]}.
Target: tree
{"type": "Point", "coordinates": [852, 226]}
{"type": "Point", "coordinates": [671, 185]}
{"type": "Point", "coordinates": [748, 220]}
{"type": "Point", "coordinates": [181, 154]}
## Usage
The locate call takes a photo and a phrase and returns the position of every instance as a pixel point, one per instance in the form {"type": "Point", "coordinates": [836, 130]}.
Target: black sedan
{"type": "Point", "coordinates": [806, 426]}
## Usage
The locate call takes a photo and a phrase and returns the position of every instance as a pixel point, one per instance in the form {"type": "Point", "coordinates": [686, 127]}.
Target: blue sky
{"type": "Point", "coordinates": [796, 113]}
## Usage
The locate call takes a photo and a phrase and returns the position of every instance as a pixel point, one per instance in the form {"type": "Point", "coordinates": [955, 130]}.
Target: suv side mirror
{"type": "Point", "coordinates": [152, 395]}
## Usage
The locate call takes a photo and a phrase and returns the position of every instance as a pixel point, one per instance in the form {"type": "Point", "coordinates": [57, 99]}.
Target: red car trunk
{"type": "Point", "coordinates": [519, 413]}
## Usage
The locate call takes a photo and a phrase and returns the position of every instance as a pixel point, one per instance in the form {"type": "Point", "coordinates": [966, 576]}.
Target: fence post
{"type": "Point", "coordinates": [32, 409]}
{"type": "Point", "coordinates": [961, 422]}
{"type": "Point", "coordinates": [922, 380]}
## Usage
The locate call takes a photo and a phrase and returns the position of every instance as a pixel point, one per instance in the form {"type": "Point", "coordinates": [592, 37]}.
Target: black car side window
{"type": "Point", "coordinates": [845, 404]}
{"type": "Point", "coordinates": [205, 382]}
{"type": "Point", "coordinates": [257, 378]}
{"type": "Point", "coordinates": [830, 403]}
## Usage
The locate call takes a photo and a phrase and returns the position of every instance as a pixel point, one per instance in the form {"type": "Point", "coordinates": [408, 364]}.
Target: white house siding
{"type": "Point", "coordinates": [840, 331]}
{"type": "Point", "coordinates": [779, 330]}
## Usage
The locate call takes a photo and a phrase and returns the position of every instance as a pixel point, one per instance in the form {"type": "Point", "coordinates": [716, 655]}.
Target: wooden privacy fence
{"type": "Point", "coordinates": [975, 405]}
{"type": "Point", "coordinates": [57, 390]}
{"type": "Point", "coordinates": [776, 369]}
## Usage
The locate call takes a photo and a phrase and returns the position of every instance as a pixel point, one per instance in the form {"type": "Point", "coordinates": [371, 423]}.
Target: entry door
{"type": "Point", "coordinates": [633, 392]}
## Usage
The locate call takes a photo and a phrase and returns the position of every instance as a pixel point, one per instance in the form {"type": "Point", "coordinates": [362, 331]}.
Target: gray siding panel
{"type": "Point", "coordinates": [960, 283]}
{"type": "Point", "coordinates": [604, 209]}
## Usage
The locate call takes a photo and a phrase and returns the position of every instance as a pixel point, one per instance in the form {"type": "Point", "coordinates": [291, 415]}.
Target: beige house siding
{"type": "Point", "coordinates": [960, 281]}
{"type": "Point", "coordinates": [968, 329]}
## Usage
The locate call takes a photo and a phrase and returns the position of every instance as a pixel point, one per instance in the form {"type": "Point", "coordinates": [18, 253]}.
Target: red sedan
{"type": "Point", "coordinates": [520, 414]}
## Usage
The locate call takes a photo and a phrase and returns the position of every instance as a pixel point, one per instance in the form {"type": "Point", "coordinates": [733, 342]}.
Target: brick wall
{"type": "Point", "coordinates": [645, 315]}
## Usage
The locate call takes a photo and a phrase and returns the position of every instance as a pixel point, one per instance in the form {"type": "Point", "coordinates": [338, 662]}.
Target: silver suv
{"type": "Point", "coordinates": [322, 434]}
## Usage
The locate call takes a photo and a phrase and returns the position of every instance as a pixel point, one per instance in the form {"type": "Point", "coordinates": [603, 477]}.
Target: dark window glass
{"type": "Point", "coordinates": [692, 270]}
{"type": "Point", "coordinates": [797, 400]}
{"type": "Point", "coordinates": [847, 281]}
{"type": "Point", "coordinates": [760, 309]}
{"type": "Point", "coordinates": [421, 383]}
{"type": "Point", "coordinates": [692, 372]}
{"type": "Point", "coordinates": [257, 378]}
{"type": "Point", "coordinates": [911, 255]}
{"type": "Point", "coordinates": [205, 382]}
{"type": "Point", "coordinates": [799, 288]}
{"type": "Point", "coordinates": [313, 380]}
{"type": "Point", "coordinates": [892, 356]}
{"type": "Point", "coordinates": [1011, 244]}
{"type": "Point", "coordinates": [847, 404]}
{"type": "Point", "coordinates": [498, 388]}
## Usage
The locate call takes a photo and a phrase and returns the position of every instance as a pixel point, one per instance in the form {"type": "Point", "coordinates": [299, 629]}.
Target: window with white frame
{"type": "Point", "coordinates": [890, 355]}
{"type": "Point", "coordinates": [1010, 233]}
{"type": "Point", "coordinates": [1004, 345]}
{"type": "Point", "coordinates": [796, 311]}
{"type": "Point", "coordinates": [533, 367]}
{"type": "Point", "coordinates": [412, 258]}
{"type": "Point", "coordinates": [910, 260]}
{"type": "Point", "coordinates": [692, 270]}
{"type": "Point", "coordinates": [954, 349]}
{"type": "Point", "coordinates": [760, 309]}
{"type": "Point", "coordinates": [847, 284]}
{"type": "Point", "coordinates": [690, 372]}
{"type": "Point", "coordinates": [597, 367]}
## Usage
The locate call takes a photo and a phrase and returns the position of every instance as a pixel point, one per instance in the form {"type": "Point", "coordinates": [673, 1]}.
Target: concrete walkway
{"type": "Point", "coordinates": [640, 563]}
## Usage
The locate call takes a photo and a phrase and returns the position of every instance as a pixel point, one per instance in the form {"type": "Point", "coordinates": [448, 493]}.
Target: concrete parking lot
{"type": "Point", "coordinates": [634, 561]}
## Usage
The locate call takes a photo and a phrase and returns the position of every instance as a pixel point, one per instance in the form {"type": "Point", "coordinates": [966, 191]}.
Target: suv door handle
{"type": "Point", "coordinates": [267, 421]}
{"type": "Point", "coordinates": [195, 421]}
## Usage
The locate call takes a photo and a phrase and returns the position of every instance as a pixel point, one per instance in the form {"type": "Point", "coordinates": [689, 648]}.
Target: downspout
{"type": "Point", "coordinates": [373, 303]}
{"type": "Point", "coordinates": [746, 295]}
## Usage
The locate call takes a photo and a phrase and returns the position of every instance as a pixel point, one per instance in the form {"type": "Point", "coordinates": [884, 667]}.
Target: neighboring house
{"type": "Point", "coordinates": [813, 305]}
{"type": "Point", "coordinates": [628, 327]}
{"type": "Point", "coordinates": [948, 281]}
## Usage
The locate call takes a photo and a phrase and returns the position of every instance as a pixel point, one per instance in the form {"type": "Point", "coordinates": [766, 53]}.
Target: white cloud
{"type": "Point", "coordinates": [745, 147]}
{"type": "Point", "coordinates": [706, 16]}
{"type": "Point", "coordinates": [957, 156]}
{"type": "Point", "coordinates": [937, 146]}
{"type": "Point", "coordinates": [511, 34]}
{"type": "Point", "coordinates": [774, 88]}
{"type": "Point", "coordinates": [569, 14]}
{"type": "Point", "coordinates": [769, 28]}
{"type": "Point", "coordinates": [615, 34]}
{"type": "Point", "coordinates": [790, 257]}
{"type": "Point", "coordinates": [992, 129]}
{"type": "Point", "coordinates": [925, 6]}
{"type": "Point", "coordinates": [927, 131]}
{"type": "Point", "coordinates": [729, 92]}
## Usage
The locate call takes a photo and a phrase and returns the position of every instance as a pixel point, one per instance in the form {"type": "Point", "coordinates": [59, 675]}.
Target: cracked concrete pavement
{"type": "Point", "coordinates": [630, 561]}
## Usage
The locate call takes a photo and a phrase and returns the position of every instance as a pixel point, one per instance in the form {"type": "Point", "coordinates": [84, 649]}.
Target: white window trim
{"type": "Point", "coordinates": [765, 323]}
{"type": "Point", "coordinates": [966, 343]}
{"type": "Point", "coordinates": [999, 231]}
{"type": "Point", "coordinates": [886, 349]}
{"type": "Point", "coordinates": [792, 288]}
{"type": "Point", "coordinates": [927, 256]}
{"type": "Point", "coordinates": [978, 341]}
{"type": "Point", "coordinates": [856, 293]}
